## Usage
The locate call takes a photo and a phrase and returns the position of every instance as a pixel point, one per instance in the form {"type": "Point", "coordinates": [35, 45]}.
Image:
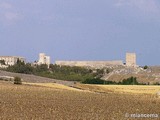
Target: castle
{"type": "Point", "coordinates": [130, 62]}
{"type": "Point", "coordinates": [43, 59]}
{"type": "Point", "coordinates": [5, 61]}
{"type": "Point", "coordinates": [92, 64]}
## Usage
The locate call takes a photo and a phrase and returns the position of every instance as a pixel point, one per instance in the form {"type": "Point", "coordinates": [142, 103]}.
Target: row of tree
{"type": "Point", "coordinates": [84, 75]}
{"type": "Point", "coordinates": [56, 71]}
{"type": "Point", "coordinates": [128, 81]}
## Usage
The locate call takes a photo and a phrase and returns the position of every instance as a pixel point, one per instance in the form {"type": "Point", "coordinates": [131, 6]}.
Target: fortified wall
{"type": "Point", "coordinates": [93, 64]}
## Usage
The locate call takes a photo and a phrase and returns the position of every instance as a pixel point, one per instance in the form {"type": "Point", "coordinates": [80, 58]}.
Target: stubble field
{"type": "Point", "coordinates": [31, 102]}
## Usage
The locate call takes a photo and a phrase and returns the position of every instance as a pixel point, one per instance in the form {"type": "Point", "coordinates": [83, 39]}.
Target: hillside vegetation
{"type": "Point", "coordinates": [55, 71]}
{"type": "Point", "coordinates": [112, 75]}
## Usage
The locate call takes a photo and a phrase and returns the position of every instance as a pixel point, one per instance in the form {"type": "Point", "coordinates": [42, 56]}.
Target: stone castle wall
{"type": "Point", "coordinates": [94, 64]}
{"type": "Point", "coordinates": [11, 60]}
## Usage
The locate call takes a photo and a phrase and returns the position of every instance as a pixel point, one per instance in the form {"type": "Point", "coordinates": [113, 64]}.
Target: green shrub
{"type": "Point", "coordinates": [94, 81]}
{"type": "Point", "coordinates": [17, 80]}
{"type": "Point", "coordinates": [2, 62]}
{"type": "Point", "coordinates": [130, 81]}
{"type": "Point", "coordinates": [55, 71]}
{"type": "Point", "coordinates": [145, 67]}
{"type": "Point", "coordinates": [157, 83]}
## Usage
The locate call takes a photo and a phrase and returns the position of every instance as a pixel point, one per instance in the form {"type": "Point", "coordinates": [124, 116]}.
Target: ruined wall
{"type": "Point", "coordinates": [94, 64]}
{"type": "Point", "coordinates": [11, 60]}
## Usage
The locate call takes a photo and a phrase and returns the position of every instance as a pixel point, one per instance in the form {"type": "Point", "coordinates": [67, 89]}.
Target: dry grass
{"type": "Point", "coordinates": [141, 77]}
{"type": "Point", "coordinates": [136, 89]}
{"type": "Point", "coordinates": [52, 85]}
{"type": "Point", "coordinates": [30, 102]}
{"type": "Point", "coordinates": [131, 89]}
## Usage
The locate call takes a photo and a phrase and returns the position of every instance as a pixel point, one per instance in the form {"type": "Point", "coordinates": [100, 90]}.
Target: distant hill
{"type": "Point", "coordinates": [151, 75]}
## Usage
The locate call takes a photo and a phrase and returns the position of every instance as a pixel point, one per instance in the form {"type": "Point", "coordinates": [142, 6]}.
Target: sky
{"type": "Point", "coordinates": [81, 29]}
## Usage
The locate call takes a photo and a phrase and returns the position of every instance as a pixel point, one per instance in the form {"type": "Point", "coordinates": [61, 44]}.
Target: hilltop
{"type": "Point", "coordinates": [67, 74]}
{"type": "Point", "coordinates": [150, 75]}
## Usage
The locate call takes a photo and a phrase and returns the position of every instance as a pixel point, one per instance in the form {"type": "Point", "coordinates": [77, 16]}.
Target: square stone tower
{"type": "Point", "coordinates": [131, 59]}
{"type": "Point", "coordinates": [43, 59]}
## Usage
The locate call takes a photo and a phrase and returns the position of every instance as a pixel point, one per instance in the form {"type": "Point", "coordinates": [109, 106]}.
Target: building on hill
{"type": "Point", "coordinates": [43, 59]}
{"type": "Point", "coordinates": [5, 61]}
{"type": "Point", "coordinates": [131, 60]}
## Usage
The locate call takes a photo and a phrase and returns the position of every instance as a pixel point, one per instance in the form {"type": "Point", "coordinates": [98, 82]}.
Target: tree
{"type": "Point", "coordinates": [19, 62]}
{"type": "Point", "coordinates": [130, 81]}
{"type": "Point", "coordinates": [55, 71]}
{"type": "Point", "coordinates": [2, 62]}
{"type": "Point", "coordinates": [17, 80]}
{"type": "Point", "coordinates": [94, 81]}
{"type": "Point", "coordinates": [145, 67]}
{"type": "Point", "coordinates": [42, 68]}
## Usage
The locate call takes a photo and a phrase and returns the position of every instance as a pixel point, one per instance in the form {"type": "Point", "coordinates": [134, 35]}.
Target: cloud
{"type": "Point", "coordinates": [8, 14]}
{"type": "Point", "coordinates": [141, 5]}
{"type": "Point", "coordinates": [47, 19]}
{"type": "Point", "coordinates": [5, 5]}
{"type": "Point", "coordinates": [11, 16]}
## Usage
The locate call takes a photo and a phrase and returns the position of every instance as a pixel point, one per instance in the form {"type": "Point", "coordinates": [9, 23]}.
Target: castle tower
{"type": "Point", "coordinates": [47, 60]}
{"type": "Point", "coordinates": [43, 59]}
{"type": "Point", "coordinates": [131, 59]}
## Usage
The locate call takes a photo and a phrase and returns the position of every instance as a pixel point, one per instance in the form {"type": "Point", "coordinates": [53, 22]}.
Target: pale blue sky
{"type": "Point", "coordinates": [81, 29]}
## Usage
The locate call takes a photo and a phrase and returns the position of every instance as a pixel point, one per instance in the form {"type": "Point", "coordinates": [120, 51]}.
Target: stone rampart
{"type": "Point", "coordinates": [94, 64]}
